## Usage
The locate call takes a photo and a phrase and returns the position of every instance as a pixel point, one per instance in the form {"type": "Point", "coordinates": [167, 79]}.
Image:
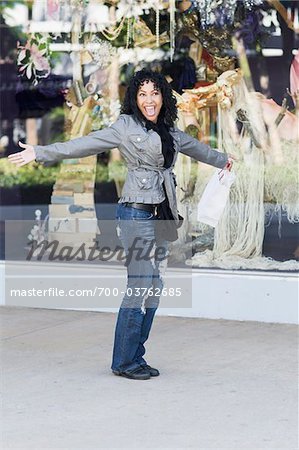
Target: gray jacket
{"type": "Point", "coordinates": [142, 153]}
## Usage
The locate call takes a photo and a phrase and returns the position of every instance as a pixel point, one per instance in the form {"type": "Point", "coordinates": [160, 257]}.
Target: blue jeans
{"type": "Point", "coordinates": [145, 257]}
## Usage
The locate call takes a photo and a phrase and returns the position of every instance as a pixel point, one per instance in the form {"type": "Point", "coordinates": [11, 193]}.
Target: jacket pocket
{"type": "Point", "coordinates": [139, 141]}
{"type": "Point", "coordinates": [144, 179]}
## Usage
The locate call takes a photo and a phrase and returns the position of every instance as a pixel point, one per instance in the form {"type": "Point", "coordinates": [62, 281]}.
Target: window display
{"type": "Point", "coordinates": [231, 91]}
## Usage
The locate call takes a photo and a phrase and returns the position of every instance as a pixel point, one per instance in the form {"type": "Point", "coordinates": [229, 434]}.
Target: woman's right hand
{"type": "Point", "coordinates": [24, 157]}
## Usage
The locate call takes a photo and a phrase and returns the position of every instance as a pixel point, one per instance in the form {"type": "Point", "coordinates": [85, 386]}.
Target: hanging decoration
{"type": "Point", "coordinates": [172, 27]}
{"type": "Point", "coordinates": [220, 12]}
{"type": "Point", "coordinates": [112, 33]}
{"type": "Point", "coordinates": [214, 22]}
{"type": "Point", "coordinates": [129, 31]}
{"type": "Point", "coordinates": [63, 9]}
{"type": "Point", "coordinates": [143, 37]}
{"type": "Point", "coordinates": [101, 51]}
{"type": "Point", "coordinates": [157, 24]}
{"type": "Point", "coordinates": [33, 58]}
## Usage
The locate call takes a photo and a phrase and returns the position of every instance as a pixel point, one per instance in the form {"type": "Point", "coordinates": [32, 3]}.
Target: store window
{"type": "Point", "coordinates": [234, 69]}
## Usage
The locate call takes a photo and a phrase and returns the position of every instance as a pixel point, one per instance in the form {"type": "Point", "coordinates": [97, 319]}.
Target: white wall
{"type": "Point", "coordinates": [242, 296]}
{"type": "Point", "coordinates": [232, 295]}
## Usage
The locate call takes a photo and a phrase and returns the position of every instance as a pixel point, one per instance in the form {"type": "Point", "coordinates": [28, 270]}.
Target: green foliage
{"type": "Point", "coordinates": [117, 171]}
{"type": "Point", "coordinates": [192, 131]}
{"type": "Point", "coordinates": [56, 115]}
{"type": "Point", "coordinates": [36, 174]}
{"type": "Point", "coordinates": [102, 173]}
{"type": "Point", "coordinates": [30, 175]}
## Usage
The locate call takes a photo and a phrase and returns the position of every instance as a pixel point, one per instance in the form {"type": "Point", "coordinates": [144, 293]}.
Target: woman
{"type": "Point", "coordinates": [149, 143]}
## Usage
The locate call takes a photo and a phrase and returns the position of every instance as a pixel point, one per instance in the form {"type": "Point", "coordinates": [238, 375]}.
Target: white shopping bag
{"type": "Point", "coordinates": [215, 196]}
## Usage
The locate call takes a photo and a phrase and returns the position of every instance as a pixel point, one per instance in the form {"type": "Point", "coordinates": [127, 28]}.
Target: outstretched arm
{"type": "Point", "coordinates": [203, 152]}
{"type": "Point", "coordinates": [24, 157]}
{"type": "Point", "coordinates": [95, 142]}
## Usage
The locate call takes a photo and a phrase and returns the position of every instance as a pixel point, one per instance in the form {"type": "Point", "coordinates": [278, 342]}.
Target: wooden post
{"type": "Point", "coordinates": [31, 131]}
{"type": "Point", "coordinates": [72, 216]}
{"type": "Point", "coordinates": [76, 29]}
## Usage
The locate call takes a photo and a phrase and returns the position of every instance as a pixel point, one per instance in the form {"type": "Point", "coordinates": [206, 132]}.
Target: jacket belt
{"type": "Point", "coordinates": [145, 207]}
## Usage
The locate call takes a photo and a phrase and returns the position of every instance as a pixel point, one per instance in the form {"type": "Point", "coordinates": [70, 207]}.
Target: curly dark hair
{"type": "Point", "coordinates": [168, 111]}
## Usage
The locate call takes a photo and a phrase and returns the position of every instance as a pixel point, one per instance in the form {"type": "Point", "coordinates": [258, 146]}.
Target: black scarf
{"type": "Point", "coordinates": [166, 139]}
{"type": "Point", "coordinates": [163, 211]}
{"type": "Point", "coordinates": [165, 229]}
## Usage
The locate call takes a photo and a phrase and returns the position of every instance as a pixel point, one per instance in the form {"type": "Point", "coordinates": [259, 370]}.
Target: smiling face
{"type": "Point", "coordinates": [149, 101]}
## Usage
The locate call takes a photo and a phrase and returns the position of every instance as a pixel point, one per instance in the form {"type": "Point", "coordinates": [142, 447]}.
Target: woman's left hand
{"type": "Point", "coordinates": [230, 162]}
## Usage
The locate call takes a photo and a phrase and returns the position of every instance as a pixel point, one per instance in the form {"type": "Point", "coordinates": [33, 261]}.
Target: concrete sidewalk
{"type": "Point", "coordinates": [223, 384]}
